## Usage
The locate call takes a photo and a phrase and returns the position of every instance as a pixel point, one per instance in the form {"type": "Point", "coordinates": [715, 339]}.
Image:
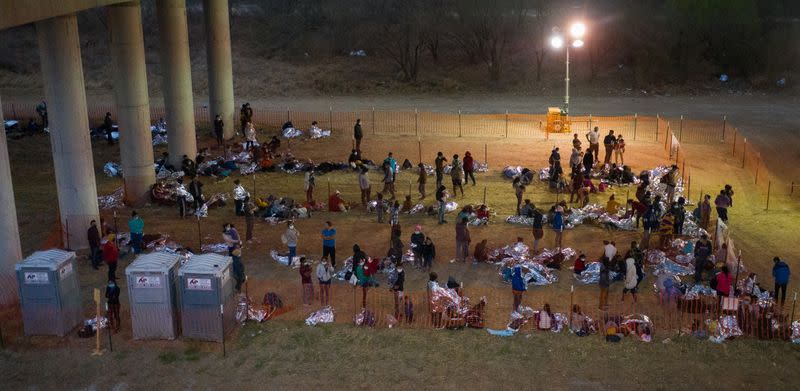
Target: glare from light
{"type": "Point", "coordinates": [578, 43]}
{"type": "Point", "coordinates": [557, 42]}
{"type": "Point", "coordinates": [577, 30]}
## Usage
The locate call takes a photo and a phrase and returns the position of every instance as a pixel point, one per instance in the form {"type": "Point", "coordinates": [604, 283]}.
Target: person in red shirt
{"type": "Point", "coordinates": [305, 280]}
{"type": "Point", "coordinates": [469, 168]}
{"type": "Point", "coordinates": [723, 282]}
{"type": "Point", "coordinates": [336, 203]}
{"type": "Point", "coordinates": [111, 255]}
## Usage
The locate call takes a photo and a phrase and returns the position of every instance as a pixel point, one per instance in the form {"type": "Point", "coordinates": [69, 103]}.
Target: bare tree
{"type": "Point", "coordinates": [487, 29]}
{"type": "Point", "coordinates": [543, 9]}
{"type": "Point", "coordinates": [402, 34]}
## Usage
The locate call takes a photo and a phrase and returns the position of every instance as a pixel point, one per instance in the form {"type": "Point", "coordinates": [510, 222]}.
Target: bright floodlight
{"type": "Point", "coordinates": [578, 43]}
{"type": "Point", "coordinates": [557, 42]}
{"type": "Point", "coordinates": [577, 30]}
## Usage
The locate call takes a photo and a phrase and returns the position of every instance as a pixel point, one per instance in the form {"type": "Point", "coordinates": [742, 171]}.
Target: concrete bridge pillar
{"type": "Point", "coordinates": [132, 101]}
{"type": "Point", "coordinates": [9, 230]}
{"type": "Point", "coordinates": [60, 53]}
{"type": "Point", "coordinates": [220, 69]}
{"type": "Point", "coordinates": [177, 83]}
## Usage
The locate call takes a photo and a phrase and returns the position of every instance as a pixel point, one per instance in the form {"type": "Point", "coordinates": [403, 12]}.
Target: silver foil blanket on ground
{"type": "Point", "coordinates": [316, 133]}
{"type": "Point", "coordinates": [443, 299]}
{"type": "Point", "coordinates": [796, 331]}
{"type": "Point", "coordinates": [727, 328]}
{"type": "Point", "coordinates": [591, 275]}
{"type": "Point", "coordinates": [245, 311]}
{"type": "Point", "coordinates": [111, 201]}
{"type": "Point", "coordinates": [522, 220]}
{"type": "Point", "coordinates": [664, 265]}
{"type": "Point", "coordinates": [292, 133]}
{"type": "Point", "coordinates": [112, 169]}
{"type": "Point", "coordinates": [323, 315]}
{"type": "Point", "coordinates": [284, 259]}
{"type": "Point", "coordinates": [640, 325]}
{"type": "Point", "coordinates": [219, 248]}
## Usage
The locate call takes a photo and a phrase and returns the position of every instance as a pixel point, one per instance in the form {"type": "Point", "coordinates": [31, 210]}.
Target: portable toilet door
{"type": "Point", "coordinates": [49, 293]}
{"type": "Point", "coordinates": [207, 301]}
{"type": "Point", "coordinates": [151, 293]}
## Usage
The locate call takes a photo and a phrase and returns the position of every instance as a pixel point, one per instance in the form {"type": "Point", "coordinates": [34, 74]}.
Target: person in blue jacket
{"type": "Point", "coordinates": [781, 273]}
{"type": "Point", "coordinates": [558, 225]}
{"type": "Point", "coordinates": [517, 286]}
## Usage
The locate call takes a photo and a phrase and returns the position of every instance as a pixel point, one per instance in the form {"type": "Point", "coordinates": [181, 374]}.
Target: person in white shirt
{"type": "Point", "coordinates": [609, 249]}
{"type": "Point", "coordinates": [324, 274]}
{"type": "Point", "coordinates": [593, 136]}
{"type": "Point", "coordinates": [250, 135]}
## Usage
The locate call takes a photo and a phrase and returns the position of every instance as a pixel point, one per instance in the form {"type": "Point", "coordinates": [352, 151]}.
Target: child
{"type": "Point", "coordinates": [423, 177]}
{"type": "Point", "coordinates": [407, 205]}
{"type": "Point", "coordinates": [408, 307]}
{"type": "Point", "coordinates": [545, 318]}
{"type": "Point", "coordinates": [428, 253]}
{"type": "Point", "coordinates": [395, 213]}
{"type": "Point", "coordinates": [380, 207]}
{"type": "Point", "coordinates": [305, 279]}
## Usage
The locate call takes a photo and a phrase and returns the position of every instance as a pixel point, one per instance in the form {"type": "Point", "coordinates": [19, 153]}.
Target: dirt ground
{"type": "Point", "coordinates": [336, 355]}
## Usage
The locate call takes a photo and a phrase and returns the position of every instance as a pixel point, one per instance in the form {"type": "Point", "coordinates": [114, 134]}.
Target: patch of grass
{"type": "Point", "coordinates": [191, 354]}
{"type": "Point", "coordinates": [168, 357]}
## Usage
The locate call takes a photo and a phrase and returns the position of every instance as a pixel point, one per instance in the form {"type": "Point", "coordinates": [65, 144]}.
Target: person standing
{"type": "Point", "coordinates": [604, 282]}
{"type": "Point", "coordinates": [249, 219]}
{"type": "Point", "coordinates": [219, 126]}
{"type": "Point", "coordinates": [111, 255]}
{"type": "Point", "coordinates": [239, 197]}
{"type": "Point", "coordinates": [417, 241]}
{"type": "Point", "coordinates": [183, 197]}
{"type": "Point", "coordinates": [679, 213]}
{"type": "Point", "coordinates": [421, 180]}
{"type": "Point", "coordinates": [519, 190]}
{"type": "Point", "coordinates": [93, 235]}
{"type": "Point", "coordinates": [291, 236]}
{"type": "Point", "coordinates": [781, 273]}
{"type": "Point", "coordinates": [705, 212]}
{"type": "Point", "coordinates": [388, 180]}
{"type": "Point", "coordinates": [358, 134]}
{"type": "Point", "coordinates": [593, 136]}
{"type": "Point", "coordinates": [439, 168]}
{"type": "Point", "coordinates": [428, 253]}
{"type": "Point", "coordinates": [462, 240]}
{"type": "Point", "coordinates": [364, 185]}
{"type": "Point", "coordinates": [397, 289]}
{"type": "Point", "coordinates": [588, 162]}
{"type": "Point", "coordinates": [112, 299]}
{"type": "Point", "coordinates": [631, 279]}
{"type": "Point", "coordinates": [558, 225]}
{"type": "Point", "coordinates": [609, 142]}
{"type": "Point", "coordinates": [518, 286]}
{"type": "Point", "coordinates": [619, 151]}
{"type": "Point", "coordinates": [328, 235]}
{"type": "Point", "coordinates": [136, 228]}
{"type": "Point", "coordinates": [394, 214]}
{"type": "Point", "coordinates": [250, 136]}
{"type": "Point", "coordinates": [724, 282]}
{"type": "Point", "coordinates": [305, 280]}
{"type": "Point", "coordinates": [41, 109]}
{"type": "Point", "coordinates": [108, 125]}
{"type": "Point", "coordinates": [722, 202]}
{"type": "Point", "coordinates": [469, 168]}
{"type": "Point", "coordinates": [671, 180]}
{"type": "Point", "coordinates": [457, 175]}
{"type": "Point", "coordinates": [702, 250]}
{"type": "Point", "coordinates": [575, 158]}
{"type": "Point", "coordinates": [392, 163]}
{"type": "Point", "coordinates": [538, 231]}
{"type": "Point", "coordinates": [441, 199]}
{"type": "Point", "coordinates": [380, 208]}
{"type": "Point", "coordinates": [324, 274]}
{"type": "Point", "coordinates": [309, 183]}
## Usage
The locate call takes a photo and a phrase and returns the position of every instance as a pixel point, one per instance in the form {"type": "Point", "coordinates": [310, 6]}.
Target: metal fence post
{"type": "Point", "coordinates": [769, 188]}
{"type": "Point", "coordinates": [590, 122]}
{"type": "Point", "coordinates": [416, 122]}
{"type": "Point", "coordinates": [288, 114]}
{"type": "Point", "coordinates": [459, 122]}
{"type": "Point", "coordinates": [373, 120]}
{"type": "Point", "coordinates": [744, 151]}
{"type": "Point", "coordinates": [680, 130]}
{"type": "Point", "coordinates": [506, 123]}
{"type": "Point", "coordinates": [724, 125]}
{"type": "Point", "coordinates": [635, 124]}
{"type": "Point", "coordinates": [658, 124]}
{"type": "Point", "coordinates": [330, 116]}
